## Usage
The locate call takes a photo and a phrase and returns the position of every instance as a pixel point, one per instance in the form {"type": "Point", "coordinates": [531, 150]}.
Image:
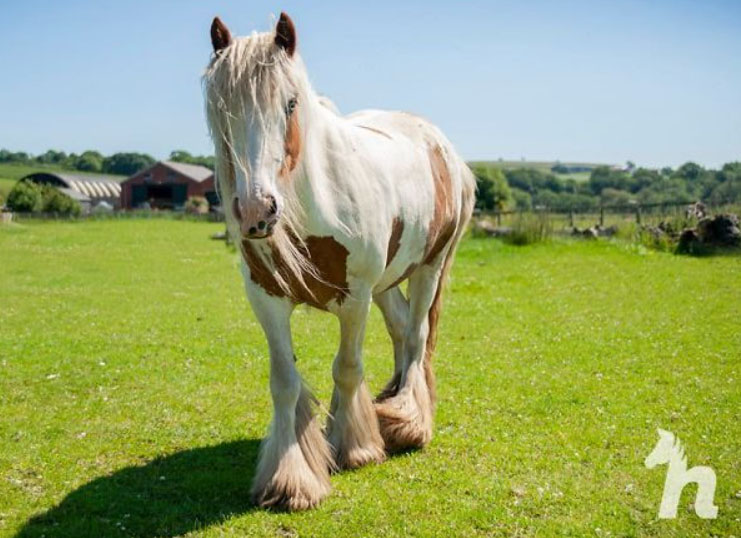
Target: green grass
{"type": "Point", "coordinates": [134, 391]}
{"type": "Point", "coordinates": [5, 186]}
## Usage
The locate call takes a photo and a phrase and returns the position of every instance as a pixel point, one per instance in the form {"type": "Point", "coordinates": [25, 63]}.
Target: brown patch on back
{"type": "Point", "coordinates": [328, 256]}
{"type": "Point", "coordinates": [443, 223]}
{"type": "Point", "coordinates": [292, 145]}
{"type": "Point", "coordinates": [397, 228]}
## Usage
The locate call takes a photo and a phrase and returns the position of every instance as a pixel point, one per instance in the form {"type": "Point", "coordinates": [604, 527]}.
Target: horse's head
{"type": "Point", "coordinates": [662, 451]}
{"type": "Point", "coordinates": [254, 88]}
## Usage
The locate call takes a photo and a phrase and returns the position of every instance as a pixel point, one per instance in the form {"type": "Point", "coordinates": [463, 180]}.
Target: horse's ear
{"type": "Point", "coordinates": [221, 38]}
{"type": "Point", "coordinates": [285, 34]}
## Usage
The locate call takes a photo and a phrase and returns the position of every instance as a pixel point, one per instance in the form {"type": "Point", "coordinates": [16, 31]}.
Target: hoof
{"type": "Point", "coordinates": [288, 499]}
{"type": "Point", "coordinates": [352, 431]}
{"type": "Point", "coordinates": [405, 420]}
{"type": "Point", "coordinates": [359, 456]}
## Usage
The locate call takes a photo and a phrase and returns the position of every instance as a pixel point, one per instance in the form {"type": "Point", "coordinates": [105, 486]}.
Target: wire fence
{"type": "Point", "coordinates": [638, 214]}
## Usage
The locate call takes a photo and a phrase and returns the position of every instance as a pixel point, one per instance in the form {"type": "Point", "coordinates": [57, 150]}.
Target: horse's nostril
{"type": "Point", "coordinates": [273, 209]}
{"type": "Point", "coordinates": [253, 230]}
{"type": "Point", "coordinates": [261, 224]}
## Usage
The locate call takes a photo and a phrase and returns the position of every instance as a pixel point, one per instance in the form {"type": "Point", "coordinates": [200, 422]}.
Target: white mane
{"type": "Point", "coordinates": [245, 85]}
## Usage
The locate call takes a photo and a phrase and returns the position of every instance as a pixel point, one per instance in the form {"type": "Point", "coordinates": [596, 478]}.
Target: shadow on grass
{"type": "Point", "coordinates": [168, 496]}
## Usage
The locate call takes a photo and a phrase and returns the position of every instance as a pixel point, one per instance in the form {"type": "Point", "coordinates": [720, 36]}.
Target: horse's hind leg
{"type": "Point", "coordinates": [352, 429]}
{"type": "Point", "coordinates": [395, 309]}
{"type": "Point", "coordinates": [406, 416]}
{"type": "Point", "coordinates": [294, 463]}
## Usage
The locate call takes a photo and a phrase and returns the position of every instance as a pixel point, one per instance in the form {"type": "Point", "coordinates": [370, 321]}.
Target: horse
{"type": "Point", "coordinates": [669, 450]}
{"type": "Point", "coordinates": [334, 212]}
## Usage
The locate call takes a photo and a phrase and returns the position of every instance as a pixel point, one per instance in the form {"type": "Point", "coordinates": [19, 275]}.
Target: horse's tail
{"type": "Point", "coordinates": [468, 198]}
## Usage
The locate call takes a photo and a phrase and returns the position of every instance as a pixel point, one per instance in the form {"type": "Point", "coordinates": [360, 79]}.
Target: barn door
{"type": "Point", "coordinates": [179, 194]}
{"type": "Point", "coordinates": [138, 195]}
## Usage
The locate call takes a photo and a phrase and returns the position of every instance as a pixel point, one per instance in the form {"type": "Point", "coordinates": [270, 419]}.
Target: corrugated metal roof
{"type": "Point", "coordinates": [91, 186]}
{"type": "Point", "coordinates": [75, 195]}
{"type": "Point", "coordinates": [195, 172]}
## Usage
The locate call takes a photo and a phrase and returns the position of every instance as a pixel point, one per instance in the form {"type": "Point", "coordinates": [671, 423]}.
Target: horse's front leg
{"type": "Point", "coordinates": [353, 429]}
{"type": "Point", "coordinates": [295, 459]}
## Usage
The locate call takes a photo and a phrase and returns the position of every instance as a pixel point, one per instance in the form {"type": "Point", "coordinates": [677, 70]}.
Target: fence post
{"type": "Point", "coordinates": [602, 216]}
{"type": "Point", "coordinates": [571, 218]}
{"type": "Point", "coordinates": [638, 214]}
{"type": "Point", "coordinates": [499, 218]}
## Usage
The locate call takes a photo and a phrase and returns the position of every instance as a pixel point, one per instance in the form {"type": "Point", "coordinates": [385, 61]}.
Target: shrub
{"type": "Point", "coordinates": [493, 192]}
{"type": "Point", "coordinates": [196, 205]}
{"type": "Point", "coordinates": [30, 197]}
{"type": "Point", "coordinates": [55, 201]}
{"type": "Point", "coordinates": [26, 197]}
{"type": "Point", "coordinates": [559, 169]}
{"type": "Point", "coordinates": [529, 228]}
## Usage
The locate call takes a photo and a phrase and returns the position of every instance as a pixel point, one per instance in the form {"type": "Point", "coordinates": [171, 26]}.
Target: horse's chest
{"type": "Point", "coordinates": [327, 282]}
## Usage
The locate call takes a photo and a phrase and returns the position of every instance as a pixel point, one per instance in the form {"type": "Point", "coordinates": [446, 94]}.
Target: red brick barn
{"type": "Point", "coordinates": [168, 185]}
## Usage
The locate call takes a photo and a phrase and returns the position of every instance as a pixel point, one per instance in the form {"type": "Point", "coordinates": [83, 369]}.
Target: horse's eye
{"type": "Point", "coordinates": [291, 106]}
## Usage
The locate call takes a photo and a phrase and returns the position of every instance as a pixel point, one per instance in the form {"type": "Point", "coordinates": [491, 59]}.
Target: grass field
{"type": "Point", "coordinates": [134, 391]}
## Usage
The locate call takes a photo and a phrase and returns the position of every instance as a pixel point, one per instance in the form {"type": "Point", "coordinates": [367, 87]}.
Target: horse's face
{"type": "Point", "coordinates": [262, 135]}
{"type": "Point", "coordinates": [661, 451]}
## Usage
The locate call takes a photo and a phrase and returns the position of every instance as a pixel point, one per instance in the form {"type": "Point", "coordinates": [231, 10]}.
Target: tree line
{"type": "Point", "coordinates": [124, 163]}
{"type": "Point", "coordinates": [498, 188]}
{"type": "Point", "coordinates": [527, 188]}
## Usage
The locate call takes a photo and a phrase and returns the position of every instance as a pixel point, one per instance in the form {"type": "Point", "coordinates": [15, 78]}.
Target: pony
{"type": "Point", "coordinates": [669, 450]}
{"type": "Point", "coordinates": [333, 212]}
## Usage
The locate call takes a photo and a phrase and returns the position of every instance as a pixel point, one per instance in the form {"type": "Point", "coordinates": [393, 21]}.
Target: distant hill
{"type": "Point", "coordinates": [580, 170]}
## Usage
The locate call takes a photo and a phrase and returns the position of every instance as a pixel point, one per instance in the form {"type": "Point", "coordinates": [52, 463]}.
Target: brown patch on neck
{"type": "Point", "coordinates": [443, 223]}
{"type": "Point", "coordinates": [397, 228]}
{"type": "Point", "coordinates": [292, 145]}
{"type": "Point", "coordinates": [329, 258]}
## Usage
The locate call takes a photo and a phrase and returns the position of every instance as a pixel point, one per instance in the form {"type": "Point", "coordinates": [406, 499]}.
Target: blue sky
{"type": "Point", "coordinates": [657, 82]}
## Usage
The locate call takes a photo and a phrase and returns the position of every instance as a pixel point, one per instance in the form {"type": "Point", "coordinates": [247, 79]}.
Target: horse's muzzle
{"type": "Point", "coordinates": [257, 218]}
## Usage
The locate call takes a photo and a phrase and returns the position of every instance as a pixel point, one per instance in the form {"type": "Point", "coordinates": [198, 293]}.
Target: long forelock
{"type": "Point", "coordinates": [251, 80]}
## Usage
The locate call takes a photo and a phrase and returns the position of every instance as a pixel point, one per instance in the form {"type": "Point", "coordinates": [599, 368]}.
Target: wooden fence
{"type": "Point", "coordinates": [606, 215]}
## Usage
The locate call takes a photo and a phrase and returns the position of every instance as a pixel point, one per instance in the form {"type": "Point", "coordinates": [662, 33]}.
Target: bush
{"type": "Point", "coordinates": [522, 200]}
{"type": "Point", "coordinates": [54, 201]}
{"type": "Point", "coordinates": [30, 197]}
{"type": "Point", "coordinates": [559, 169]}
{"type": "Point", "coordinates": [530, 228]}
{"type": "Point", "coordinates": [493, 192]}
{"type": "Point", "coordinates": [196, 205]}
{"type": "Point", "coordinates": [26, 197]}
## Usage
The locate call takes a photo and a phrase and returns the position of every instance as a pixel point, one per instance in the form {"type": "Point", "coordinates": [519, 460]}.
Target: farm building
{"type": "Point", "coordinates": [168, 185]}
{"type": "Point", "coordinates": [87, 190]}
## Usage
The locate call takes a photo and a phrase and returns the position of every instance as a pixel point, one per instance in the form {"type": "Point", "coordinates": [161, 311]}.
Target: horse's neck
{"type": "Point", "coordinates": [324, 175]}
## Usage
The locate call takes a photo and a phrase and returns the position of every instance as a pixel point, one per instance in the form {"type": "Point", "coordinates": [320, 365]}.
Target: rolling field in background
{"type": "Point", "coordinates": [542, 166]}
